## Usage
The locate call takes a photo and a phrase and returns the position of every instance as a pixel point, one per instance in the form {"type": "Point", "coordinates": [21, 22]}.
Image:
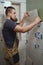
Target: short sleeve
{"type": "Point", "coordinates": [11, 24]}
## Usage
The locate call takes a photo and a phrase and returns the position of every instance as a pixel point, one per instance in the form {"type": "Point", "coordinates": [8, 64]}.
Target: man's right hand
{"type": "Point", "coordinates": [37, 20]}
{"type": "Point", "coordinates": [26, 15]}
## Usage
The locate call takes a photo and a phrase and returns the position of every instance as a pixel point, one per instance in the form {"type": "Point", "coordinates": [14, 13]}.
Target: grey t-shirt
{"type": "Point", "coordinates": [8, 32]}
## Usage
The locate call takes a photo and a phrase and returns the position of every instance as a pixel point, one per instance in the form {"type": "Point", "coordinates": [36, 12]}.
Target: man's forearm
{"type": "Point", "coordinates": [29, 27]}
{"type": "Point", "coordinates": [24, 18]}
{"type": "Point", "coordinates": [22, 21]}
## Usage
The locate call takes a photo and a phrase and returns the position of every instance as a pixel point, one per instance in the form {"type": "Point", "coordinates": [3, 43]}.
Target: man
{"type": "Point", "coordinates": [9, 33]}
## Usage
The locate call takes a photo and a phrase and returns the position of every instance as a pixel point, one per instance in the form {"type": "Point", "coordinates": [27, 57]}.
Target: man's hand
{"type": "Point", "coordinates": [26, 15]}
{"type": "Point", "coordinates": [24, 18]}
{"type": "Point", "coordinates": [37, 20]}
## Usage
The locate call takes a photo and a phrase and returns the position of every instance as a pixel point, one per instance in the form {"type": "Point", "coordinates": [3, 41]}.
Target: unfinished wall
{"type": "Point", "coordinates": [33, 4]}
{"type": "Point", "coordinates": [35, 43]}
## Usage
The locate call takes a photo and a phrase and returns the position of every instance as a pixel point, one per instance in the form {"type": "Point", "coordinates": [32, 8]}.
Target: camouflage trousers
{"type": "Point", "coordinates": [11, 55]}
{"type": "Point", "coordinates": [10, 61]}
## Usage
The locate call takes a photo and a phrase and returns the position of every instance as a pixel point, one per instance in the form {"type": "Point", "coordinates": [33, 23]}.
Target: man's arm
{"type": "Point", "coordinates": [24, 18]}
{"type": "Point", "coordinates": [18, 28]}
